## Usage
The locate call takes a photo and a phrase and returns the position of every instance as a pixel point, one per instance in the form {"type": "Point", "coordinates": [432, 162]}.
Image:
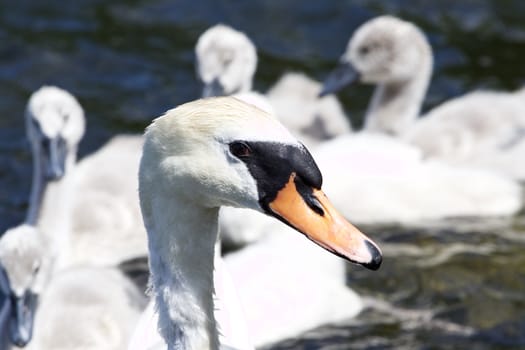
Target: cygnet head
{"type": "Point", "coordinates": [384, 50]}
{"type": "Point", "coordinates": [226, 61]}
{"type": "Point", "coordinates": [22, 259]}
{"type": "Point", "coordinates": [55, 125]}
{"type": "Point", "coordinates": [224, 152]}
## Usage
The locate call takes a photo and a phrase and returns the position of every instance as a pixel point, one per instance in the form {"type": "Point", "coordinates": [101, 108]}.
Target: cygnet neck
{"type": "Point", "coordinates": [50, 206]}
{"type": "Point", "coordinates": [396, 105]}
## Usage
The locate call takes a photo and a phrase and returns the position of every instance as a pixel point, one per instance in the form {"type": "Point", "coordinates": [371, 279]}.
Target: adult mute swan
{"type": "Point", "coordinates": [473, 129]}
{"type": "Point", "coordinates": [215, 152]}
{"type": "Point", "coordinates": [226, 60]}
{"type": "Point", "coordinates": [81, 307]}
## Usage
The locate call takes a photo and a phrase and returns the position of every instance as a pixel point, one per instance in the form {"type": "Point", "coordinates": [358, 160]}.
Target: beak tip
{"type": "Point", "coordinates": [323, 93]}
{"type": "Point", "coordinates": [20, 342]}
{"type": "Point", "coordinates": [377, 257]}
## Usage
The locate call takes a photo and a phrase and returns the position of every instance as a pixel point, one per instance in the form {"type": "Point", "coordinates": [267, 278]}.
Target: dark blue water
{"type": "Point", "coordinates": [128, 61]}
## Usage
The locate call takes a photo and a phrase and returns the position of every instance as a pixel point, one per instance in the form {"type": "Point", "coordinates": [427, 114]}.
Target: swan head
{"type": "Point", "coordinates": [224, 152]}
{"type": "Point", "coordinates": [384, 50]}
{"type": "Point", "coordinates": [22, 256]}
{"type": "Point", "coordinates": [226, 61]}
{"type": "Point", "coordinates": [55, 125]}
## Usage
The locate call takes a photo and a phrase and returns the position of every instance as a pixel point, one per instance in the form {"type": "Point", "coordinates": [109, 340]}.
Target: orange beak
{"type": "Point", "coordinates": [325, 225]}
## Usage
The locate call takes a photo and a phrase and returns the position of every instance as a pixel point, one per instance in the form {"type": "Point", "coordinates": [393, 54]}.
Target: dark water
{"type": "Point", "coordinates": [459, 285]}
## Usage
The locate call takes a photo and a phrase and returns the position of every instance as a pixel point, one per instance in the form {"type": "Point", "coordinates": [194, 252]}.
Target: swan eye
{"type": "Point", "coordinates": [364, 50]}
{"type": "Point", "coordinates": [36, 268]}
{"type": "Point", "coordinates": [240, 149]}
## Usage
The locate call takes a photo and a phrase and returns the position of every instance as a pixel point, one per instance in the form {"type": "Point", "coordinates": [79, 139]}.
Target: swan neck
{"type": "Point", "coordinates": [38, 186]}
{"type": "Point", "coordinates": [54, 208]}
{"type": "Point", "coordinates": [181, 243]}
{"type": "Point", "coordinates": [396, 105]}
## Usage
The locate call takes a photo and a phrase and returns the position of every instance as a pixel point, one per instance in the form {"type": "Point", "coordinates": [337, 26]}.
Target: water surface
{"type": "Point", "coordinates": [454, 285]}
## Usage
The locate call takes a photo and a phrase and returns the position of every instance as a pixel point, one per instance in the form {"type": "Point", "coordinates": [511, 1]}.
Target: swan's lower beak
{"type": "Point", "coordinates": [341, 76]}
{"type": "Point", "coordinates": [54, 151]}
{"type": "Point", "coordinates": [5, 319]}
{"type": "Point", "coordinates": [17, 313]}
{"type": "Point", "coordinates": [213, 88]}
{"type": "Point", "coordinates": [310, 212]}
{"type": "Point", "coordinates": [23, 318]}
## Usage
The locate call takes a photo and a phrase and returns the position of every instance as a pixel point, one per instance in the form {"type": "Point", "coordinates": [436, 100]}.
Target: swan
{"type": "Point", "coordinates": [395, 55]}
{"type": "Point", "coordinates": [23, 273]}
{"type": "Point", "coordinates": [100, 221]}
{"type": "Point", "coordinates": [214, 152]}
{"type": "Point", "coordinates": [105, 306]}
{"type": "Point", "coordinates": [55, 124]}
{"type": "Point", "coordinates": [226, 60]}
{"type": "Point", "coordinates": [473, 129]}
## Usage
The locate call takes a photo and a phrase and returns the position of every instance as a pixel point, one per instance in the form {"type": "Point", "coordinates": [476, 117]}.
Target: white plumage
{"type": "Point", "coordinates": [482, 128]}
{"type": "Point", "coordinates": [226, 64]}
{"type": "Point", "coordinates": [81, 306]}
{"type": "Point", "coordinates": [180, 195]}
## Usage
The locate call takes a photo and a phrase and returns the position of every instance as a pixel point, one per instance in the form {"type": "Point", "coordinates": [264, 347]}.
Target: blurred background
{"type": "Point", "coordinates": [129, 61]}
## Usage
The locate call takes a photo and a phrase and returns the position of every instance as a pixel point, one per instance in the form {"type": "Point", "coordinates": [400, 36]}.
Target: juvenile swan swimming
{"type": "Point", "coordinates": [81, 307]}
{"type": "Point", "coordinates": [481, 128]}
{"type": "Point", "coordinates": [215, 152]}
{"type": "Point", "coordinates": [226, 63]}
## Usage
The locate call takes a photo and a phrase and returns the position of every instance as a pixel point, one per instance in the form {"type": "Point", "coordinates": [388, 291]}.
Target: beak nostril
{"type": "Point", "coordinates": [315, 205]}
{"type": "Point", "coordinates": [376, 255]}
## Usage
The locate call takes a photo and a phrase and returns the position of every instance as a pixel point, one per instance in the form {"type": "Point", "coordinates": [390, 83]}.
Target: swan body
{"type": "Point", "coordinates": [480, 128]}
{"type": "Point", "coordinates": [215, 152]}
{"type": "Point", "coordinates": [395, 56]}
{"type": "Point", "coordinates": [394, 184]}
{"type": "Point", "coordinates": [107, 224]}
{"type": "Point", "coordinates": [87, 308]}
{"type": "Point", "coordinates": [313, 119]}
